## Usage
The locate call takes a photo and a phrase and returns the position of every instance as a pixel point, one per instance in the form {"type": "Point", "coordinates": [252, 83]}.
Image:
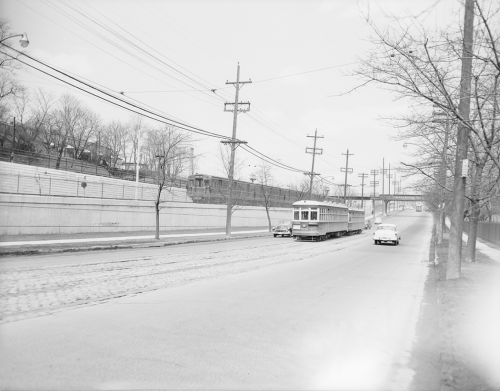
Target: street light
{"type": "Point", "coordinates": [24, 42]}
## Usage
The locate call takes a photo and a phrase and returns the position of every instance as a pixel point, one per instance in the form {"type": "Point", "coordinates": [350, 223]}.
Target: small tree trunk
{"type": "Point", "coordinates": [471, 241]}
{"type": "Point", "coordinates": [268, 218]}
{"type": "Point", "coordinates": [59, 156]}
{"type": "Point", "coordinates": [439, 226]}
{"type": "Point", "coordinates": [157, 210]}
{"type": "Point", "coordinates": [474, 216]}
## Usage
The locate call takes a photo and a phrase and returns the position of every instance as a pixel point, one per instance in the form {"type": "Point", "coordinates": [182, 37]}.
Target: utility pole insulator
{"type": "Point", "coordinates": [317, 151]}
{"type": "Point", "coordinates": [243, 107]}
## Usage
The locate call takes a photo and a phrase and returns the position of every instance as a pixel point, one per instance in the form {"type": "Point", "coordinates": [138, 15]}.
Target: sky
{"type": "Point", "coordinates": [299, 54]}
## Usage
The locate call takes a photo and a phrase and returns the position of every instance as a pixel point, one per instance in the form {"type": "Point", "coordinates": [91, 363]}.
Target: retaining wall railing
{"type": "Point", "coordinates": [19, 179]}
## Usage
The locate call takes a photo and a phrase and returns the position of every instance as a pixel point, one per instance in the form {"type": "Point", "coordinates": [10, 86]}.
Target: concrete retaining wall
{"type": "Point", "coordinates": [33, 180]}
{"type": "Point", "coordinates": [26, 214]}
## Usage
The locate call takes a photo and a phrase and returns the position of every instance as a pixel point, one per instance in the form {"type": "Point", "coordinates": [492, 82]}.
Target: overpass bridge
{"type": "Point", "coordinates": [387, 198]}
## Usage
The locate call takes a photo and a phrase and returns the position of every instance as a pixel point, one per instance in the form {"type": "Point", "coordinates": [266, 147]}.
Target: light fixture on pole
{"type": "Point", "coordinates": [24, 42]}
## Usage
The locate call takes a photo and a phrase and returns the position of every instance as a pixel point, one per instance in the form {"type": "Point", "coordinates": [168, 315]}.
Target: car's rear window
{"type": "Point", "coordinates": [386, 227]}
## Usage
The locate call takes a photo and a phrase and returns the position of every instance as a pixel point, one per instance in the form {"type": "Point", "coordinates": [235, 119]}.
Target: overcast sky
{"type": "Point", "coordinates": [298, 54]}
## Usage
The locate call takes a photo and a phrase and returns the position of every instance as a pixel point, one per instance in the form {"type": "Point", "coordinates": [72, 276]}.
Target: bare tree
{"type": "Point", "coordinates": [86, 130]}
{"type": "Point", "coordinates": [166, 150]}
{"type": "Point", "coordinates": [136, 130]}
{"type": "Point", "coordinates": [265, 180]}
{"type": "Point", "coordinates": [408, 62]}
{"type": "Point", "coordinates": [112, 137]}
{"type": "Point", "coordinates": [42, 104]}
{"type": "Point", "coordinates": [300, 189]}
{"type": "Point", "coordinates": [68, 120]}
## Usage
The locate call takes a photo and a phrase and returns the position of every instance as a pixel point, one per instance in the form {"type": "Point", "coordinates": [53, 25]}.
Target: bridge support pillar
{"type": "Point", "coordinates": [386, 203]}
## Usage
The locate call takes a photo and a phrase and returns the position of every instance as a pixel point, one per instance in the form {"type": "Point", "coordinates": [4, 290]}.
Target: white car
{"type": "Point", "coordinates": [386, 233]}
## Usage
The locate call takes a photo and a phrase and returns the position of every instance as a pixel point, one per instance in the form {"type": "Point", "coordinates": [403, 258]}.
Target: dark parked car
{"type": "Point", "coordinates": [284, 228]}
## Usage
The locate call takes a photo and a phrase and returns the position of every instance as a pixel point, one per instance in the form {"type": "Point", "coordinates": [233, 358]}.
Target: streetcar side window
{"type": "Point", "coordinates": [304, 215]}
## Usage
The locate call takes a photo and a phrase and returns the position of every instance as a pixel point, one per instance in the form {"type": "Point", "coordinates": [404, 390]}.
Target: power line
{"type": "Point", "coordinates": [165, 120]}
{"type": "Point", "coordinates": [176, 123]}
{"type": "Point", "coordinates": [302, 73]}
{"type": "Point", "coordinates": [127, 51]}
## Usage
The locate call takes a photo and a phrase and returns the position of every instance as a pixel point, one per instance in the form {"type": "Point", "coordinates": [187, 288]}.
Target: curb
{"type": "Point", "coordinates": [121, 247]}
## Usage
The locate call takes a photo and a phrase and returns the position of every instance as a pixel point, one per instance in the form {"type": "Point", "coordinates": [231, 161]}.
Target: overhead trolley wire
{"type": "Point", "coordinates": [120, 47]}
{"type": "Point", "coordinates": [172, 122]}
{"type": "Point", "coordinates": [271, 160]}
{"type": "Point", "coordinates": [181, 125]}
{"type": "Point", "coordinates": [134, 45]}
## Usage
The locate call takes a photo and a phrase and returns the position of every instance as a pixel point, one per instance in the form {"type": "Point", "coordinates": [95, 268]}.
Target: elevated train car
{"type": "Point", "coordinates": [317, 221]}
{"type": "Point", "coordinates": [210, 189]}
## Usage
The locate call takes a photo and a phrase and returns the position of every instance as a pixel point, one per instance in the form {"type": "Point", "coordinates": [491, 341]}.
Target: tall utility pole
{"type": "Point", "coordinates": [314, 153]}
{"type": "Point", "coordinates": [442, 175]}
{"type": "Point", "coordinates": [362, 176]}
{"type": "Point", "coordinates": [395, 188]}
{"type": "Point", "coordinates": [347, 170]}
{"type": "Point", "coordinates": [457, 204]}
{"type": "Point", "coordinates": [374, 183]}
{"type": "Point", "coordinates": [389, 176]}
{"type": "Point", "coordinates": [388, 204]}
{"type": "Point", "coordinates": [234, 143]}
{"type": "Point", "coordinates": [383, 174]}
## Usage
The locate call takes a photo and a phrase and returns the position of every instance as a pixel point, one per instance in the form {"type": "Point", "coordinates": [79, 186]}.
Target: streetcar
{"type": "Point", "coordinates": [317, 221]}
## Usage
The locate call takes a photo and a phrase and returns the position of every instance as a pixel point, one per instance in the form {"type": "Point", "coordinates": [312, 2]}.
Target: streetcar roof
{"type": "Point", "coordinates": [310, 203]}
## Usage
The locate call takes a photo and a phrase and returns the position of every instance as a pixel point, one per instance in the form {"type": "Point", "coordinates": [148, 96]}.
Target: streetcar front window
{"type": "Point", "coordinates": [304, 215]}
{"type": "Point", "coordinates": [314, 215]}
{"type": "Point", "coordinates": [296, 214]}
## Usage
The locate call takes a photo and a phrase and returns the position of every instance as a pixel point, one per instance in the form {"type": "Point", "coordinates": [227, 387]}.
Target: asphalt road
{"type": "Point", "coordinates": [263, 313]}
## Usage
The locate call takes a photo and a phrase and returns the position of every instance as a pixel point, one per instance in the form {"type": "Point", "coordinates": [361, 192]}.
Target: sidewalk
{"type": "Point", "coordinates": [469, 318]}
{"type": "Point", "coordinates": [45, 244]}
{"type": "Point", "coordinates": [489, 249]}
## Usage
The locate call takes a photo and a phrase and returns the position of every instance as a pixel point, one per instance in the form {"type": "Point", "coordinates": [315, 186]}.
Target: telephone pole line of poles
{"type": "Point", "coordinates": [347, 170]}
{"type": "Point", "coordinates": [374, 183]}
{"type": "Point", "coordinates": [383, 171]}
{"type": "Point", "coordinates": [388, 205]}
{"type": "Point", "coordinates": [237, 107]}
{"type": "Point", "coordinates": [454, 263]}
{"type": "Point", "coordinates": [314, 153]}
{"type": "Point", "coordinates": [362, 176]}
